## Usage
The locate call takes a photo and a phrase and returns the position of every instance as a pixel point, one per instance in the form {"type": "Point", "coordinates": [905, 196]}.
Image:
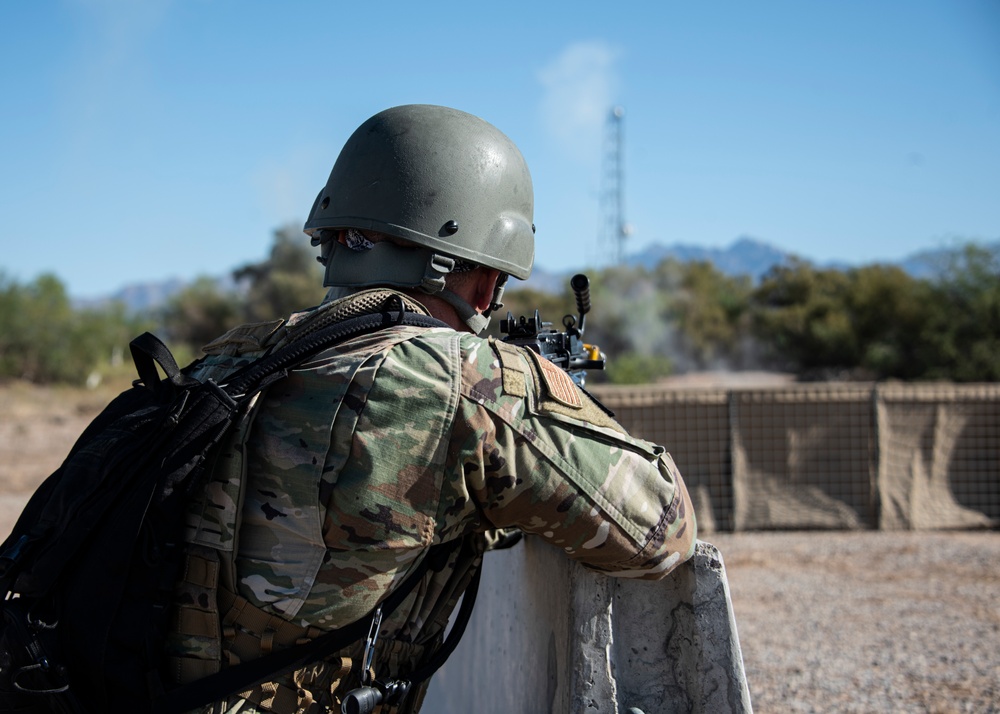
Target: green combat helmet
{"type": "Point", "coordinates": [450, 184]}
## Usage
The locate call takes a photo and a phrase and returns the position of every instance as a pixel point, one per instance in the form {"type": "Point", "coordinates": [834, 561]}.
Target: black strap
{"type": "Point", "coordinates": [148, 351]}
{"type": "Point", "coordinates": [457, 630]}
{"type": "Point", "coordinates": [248, 378]}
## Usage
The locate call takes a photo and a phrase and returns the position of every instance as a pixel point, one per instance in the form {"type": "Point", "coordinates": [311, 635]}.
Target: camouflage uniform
{"type": "Point", "coordinates": [391, 442]}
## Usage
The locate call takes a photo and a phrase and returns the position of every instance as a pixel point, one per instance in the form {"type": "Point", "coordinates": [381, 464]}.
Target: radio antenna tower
{"type": "Point", "coordinates": [614, 229]}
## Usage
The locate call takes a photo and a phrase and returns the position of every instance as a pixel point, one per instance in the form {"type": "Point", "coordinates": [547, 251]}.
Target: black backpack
{"type": "Point", "coordinates": [89, 569]}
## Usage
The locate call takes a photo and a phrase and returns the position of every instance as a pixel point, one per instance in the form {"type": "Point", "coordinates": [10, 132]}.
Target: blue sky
{"type": "Point", "coordinates": [169, 138]}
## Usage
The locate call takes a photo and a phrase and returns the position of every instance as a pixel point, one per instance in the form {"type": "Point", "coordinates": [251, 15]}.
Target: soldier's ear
{"type": "Point", "coordinates": [486, 281]}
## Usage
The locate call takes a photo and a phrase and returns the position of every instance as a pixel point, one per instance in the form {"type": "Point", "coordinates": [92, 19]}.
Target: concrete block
{"type": "Point", "coordinates": [549, 636]}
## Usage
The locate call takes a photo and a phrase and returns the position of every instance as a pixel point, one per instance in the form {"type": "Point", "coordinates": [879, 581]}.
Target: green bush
{"type": "Point", "coordinates": [633, 368]}
{"type": "Point", "coordinates": [44, 339]}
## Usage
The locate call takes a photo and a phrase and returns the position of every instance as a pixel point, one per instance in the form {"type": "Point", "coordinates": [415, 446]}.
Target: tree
{"type": "Point", "coordinates": [962, 333]}
{"type": "Point", "coordinates": [289, 280]}
{"type": "Point", "coordinates": [34, 343]}
{"type": "Point", "coordinates": [889, 311]}
{"type": "Point", "coordinates": [710, 309]}
{"type": "Point", "coordinates": [43, 339]}
{"type": "Point", "coordinates": [801, 317]}
{"type": "Point", "coordinates": [201, 312]}
{"type": "Point", "coordinates": [877, 322]}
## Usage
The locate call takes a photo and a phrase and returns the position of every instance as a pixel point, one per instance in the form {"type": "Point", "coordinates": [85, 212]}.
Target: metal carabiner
{"type": "Point", "coordinates": [365, 698]}
{"type": "Point", "coordinates": [369, 655]}
{"type": "Point", "coordinates": [37, 623]}
{"type": "Point", "coordinates": [41, 670]}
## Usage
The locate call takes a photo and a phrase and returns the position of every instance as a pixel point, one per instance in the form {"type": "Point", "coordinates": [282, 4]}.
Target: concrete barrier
{"type": "Point", "coordinates": [549, 636]}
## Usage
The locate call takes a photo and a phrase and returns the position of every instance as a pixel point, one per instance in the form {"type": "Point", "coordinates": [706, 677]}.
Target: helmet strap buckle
{"type": "Point", "coordinates": [438, 266]}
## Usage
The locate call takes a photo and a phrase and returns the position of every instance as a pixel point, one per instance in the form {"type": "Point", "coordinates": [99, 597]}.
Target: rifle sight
{"type": "Point", "coordinates": [564, 349]}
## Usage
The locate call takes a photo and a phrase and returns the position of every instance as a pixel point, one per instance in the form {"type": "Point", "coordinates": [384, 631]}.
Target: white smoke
{"type": "Point", "coordinates": [581, 85]}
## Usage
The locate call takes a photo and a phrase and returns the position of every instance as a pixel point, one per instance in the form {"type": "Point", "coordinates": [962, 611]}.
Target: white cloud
{"type": "Point", "coordinates": [580, 88]}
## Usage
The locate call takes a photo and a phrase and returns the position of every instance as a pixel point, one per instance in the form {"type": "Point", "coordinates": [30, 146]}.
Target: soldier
{"type": "Point", "coordinates": [392, 442]}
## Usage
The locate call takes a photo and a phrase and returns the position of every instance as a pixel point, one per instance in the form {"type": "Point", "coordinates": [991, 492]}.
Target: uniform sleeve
{"type": "Point", "coordinates": [535, 452]}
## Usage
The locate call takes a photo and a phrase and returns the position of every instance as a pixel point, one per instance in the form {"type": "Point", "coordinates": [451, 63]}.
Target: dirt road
{"type": "Point", "coordinates": [868, 622]}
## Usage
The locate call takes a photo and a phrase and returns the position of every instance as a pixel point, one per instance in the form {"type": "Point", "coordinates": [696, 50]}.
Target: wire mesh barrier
{"type": "Point", "coordinates": [827, 456]}
{"type": "Point", "coordinates": [939, 459]}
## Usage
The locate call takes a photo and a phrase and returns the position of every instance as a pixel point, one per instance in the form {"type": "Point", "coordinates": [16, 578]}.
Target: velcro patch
{"type": "Point", "coordinates": [513, 368]}
{"type": "Point", "coordinates": [558, 385]}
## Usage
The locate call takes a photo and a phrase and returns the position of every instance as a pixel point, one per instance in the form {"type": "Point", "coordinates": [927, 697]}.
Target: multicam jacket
{"type": "Point", "coordinates": [375, 450]}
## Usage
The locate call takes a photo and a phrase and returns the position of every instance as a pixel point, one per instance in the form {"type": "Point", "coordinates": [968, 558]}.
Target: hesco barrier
{"type": "Point", "coordinates": [835, 456]}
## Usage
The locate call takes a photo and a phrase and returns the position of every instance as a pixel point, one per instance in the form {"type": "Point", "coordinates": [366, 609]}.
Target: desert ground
{"type": "Point", "coordinates": [845, 622]}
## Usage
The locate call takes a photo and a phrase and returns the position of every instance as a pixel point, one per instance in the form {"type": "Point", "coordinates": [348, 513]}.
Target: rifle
{"type": "Point", "coordinates": [565, 349]}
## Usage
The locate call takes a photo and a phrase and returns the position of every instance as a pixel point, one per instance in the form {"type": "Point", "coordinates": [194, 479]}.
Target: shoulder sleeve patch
{"type": "Point", "coordinates": [512, 367]}
{"type": "Point", "coordinates": [558, 385]}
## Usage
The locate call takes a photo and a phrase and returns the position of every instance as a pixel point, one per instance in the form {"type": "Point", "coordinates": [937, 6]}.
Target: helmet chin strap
{"type": "Point", "coordinates": [466, 313]}
{"type": "Point", "coordinates": [392, 265]}
{"type": "Point", "coordinates": [477, 322]}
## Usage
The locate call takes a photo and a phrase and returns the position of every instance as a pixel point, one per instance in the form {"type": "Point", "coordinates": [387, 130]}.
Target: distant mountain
{"type": "Point", "coordinates": [748, 256]}
{"type": "Point", "coordinates": [745, 256]}
{"type": "Point", "coordinates": [143, 297]}
{"type": "Point", "coordinates": [146, 296]}
{"type": "Point", "coordinates": [138, 297]}
{"type": "Point", "coordinates": [546, 281]}
{"type": "Point", "coordinates": [930, 263]}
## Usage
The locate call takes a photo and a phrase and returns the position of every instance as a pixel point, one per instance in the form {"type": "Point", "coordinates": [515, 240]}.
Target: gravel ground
{"type": "Point", "coordinates": [828, 621]}
{"type": "Point", "coordinates": [867, 621]}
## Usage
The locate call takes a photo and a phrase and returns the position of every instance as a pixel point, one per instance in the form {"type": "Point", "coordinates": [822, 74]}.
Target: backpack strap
{"type": "Point", "coordinates": [262, 372]}
{"type": "Point", "coordinates": [148, 351]}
